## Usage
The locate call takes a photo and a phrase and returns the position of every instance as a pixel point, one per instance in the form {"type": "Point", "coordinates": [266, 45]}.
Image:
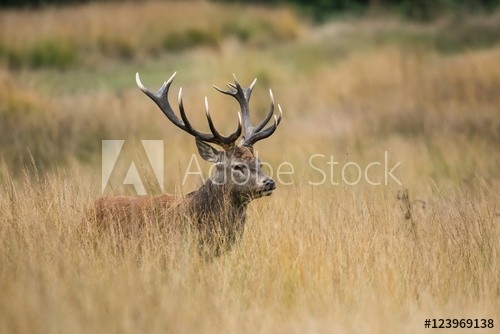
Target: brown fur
{"type": "Point", "coordinates": [244, 153]}
{"type": "Point", "coordinates": [130, 213]}
{"type": "Point", "coordinates": [215, 212]}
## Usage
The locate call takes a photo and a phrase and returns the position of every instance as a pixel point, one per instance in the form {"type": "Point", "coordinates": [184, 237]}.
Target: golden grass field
{"type": "Point", "coordinates": [314, 258]}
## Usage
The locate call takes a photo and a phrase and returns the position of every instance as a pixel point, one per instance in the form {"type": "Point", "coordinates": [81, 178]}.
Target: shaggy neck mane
{"type": "Point", "coordinates": [219, 213]}
{"type": "Point", "coordinates": [213, 198]}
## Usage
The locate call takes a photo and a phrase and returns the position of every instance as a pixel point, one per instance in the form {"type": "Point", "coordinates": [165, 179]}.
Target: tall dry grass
{"type": "Point", "coordinates": [328, 258]}
{"type": "Point", "coordinates": [321, 260]}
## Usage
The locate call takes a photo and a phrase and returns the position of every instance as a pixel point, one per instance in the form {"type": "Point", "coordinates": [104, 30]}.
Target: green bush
{"type": "Point", "coordinates": [422, 10]}
{"type": "Point", "coordinates": [180, 41]}
{"type": "Point", "coordinates": [460, 37]}
{"type": "Point", "coordinates": [52, 54]}
{"type": "Point", "coordinates": [12, 58]}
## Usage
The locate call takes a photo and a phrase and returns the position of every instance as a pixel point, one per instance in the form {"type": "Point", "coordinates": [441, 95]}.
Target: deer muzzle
{"type": "Point", "coordinates": [268, 187]}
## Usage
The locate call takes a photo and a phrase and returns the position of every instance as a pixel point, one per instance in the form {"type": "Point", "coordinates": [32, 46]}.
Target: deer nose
{"type": "Point", "coordinates": [270, 184]}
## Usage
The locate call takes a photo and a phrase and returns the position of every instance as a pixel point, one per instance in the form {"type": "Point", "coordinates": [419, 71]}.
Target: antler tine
{"type": "Point", "coordinates": [236, 83]}
{"type": "Point", "coordinates": [209, 118]}
{"type": "Point", "coordinates": [242, 95]}
{"type": "Point", "coordinates": [161, 100]}
{"type": "Point", "coordinates": [187, 125]}
{"type": "Point", "coordinates": [259, 135]}
{"type": "Point", "coordinates": [245, 91]}
{"type": "Point", "coordinates": [233, 136]}
{"type": "Point", "coordinates": [239, 93]}
{"type": "Point", "coordinates": [269, 115]}
{"type": "Point", "coordinates": [252, 85]}
{"type": "Point", "coordinates": [237, 134]}
{"type": "Point", "coordinates": [227, 92]}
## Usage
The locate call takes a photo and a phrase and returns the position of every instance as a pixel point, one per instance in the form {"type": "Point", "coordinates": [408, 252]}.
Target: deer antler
{"type": "Point", "coordinates": [161, 99]}
{"type": "Point", "coordinates": [242, 95]}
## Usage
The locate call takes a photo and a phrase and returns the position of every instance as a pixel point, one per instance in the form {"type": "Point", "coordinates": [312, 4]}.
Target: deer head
{"type": "Point", "coordinates": [237, 168]}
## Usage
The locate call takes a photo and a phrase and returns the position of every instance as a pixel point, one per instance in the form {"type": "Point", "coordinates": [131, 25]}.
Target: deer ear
{"type": "Point", "coordinates": [207, 152]}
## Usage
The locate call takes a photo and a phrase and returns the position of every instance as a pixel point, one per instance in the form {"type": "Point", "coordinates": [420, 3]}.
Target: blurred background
{"type": "Point", "coordinates": [355, 78]}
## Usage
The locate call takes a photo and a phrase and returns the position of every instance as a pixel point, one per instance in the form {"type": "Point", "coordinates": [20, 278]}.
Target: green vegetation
{"type": "Point", "coordinates": [422, 10]}
{"type": "Point", "coordinates": [189, 39]}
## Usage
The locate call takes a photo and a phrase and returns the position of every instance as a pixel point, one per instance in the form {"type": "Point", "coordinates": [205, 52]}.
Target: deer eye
{"type": "Point", "coordinates": [239, 167]}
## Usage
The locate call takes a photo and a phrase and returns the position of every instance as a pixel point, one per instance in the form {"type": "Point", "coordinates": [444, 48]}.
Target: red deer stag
{"type": "Point", "coordinates": [217, 210]}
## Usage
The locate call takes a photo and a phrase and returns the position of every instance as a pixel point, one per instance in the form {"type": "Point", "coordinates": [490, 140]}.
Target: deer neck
{"type": "Point", "coordinates": [224, 195]}
{"type": "Point", "coordinates": [216, 204]}
{"type": "Point", "coordinates": [218, 213]}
